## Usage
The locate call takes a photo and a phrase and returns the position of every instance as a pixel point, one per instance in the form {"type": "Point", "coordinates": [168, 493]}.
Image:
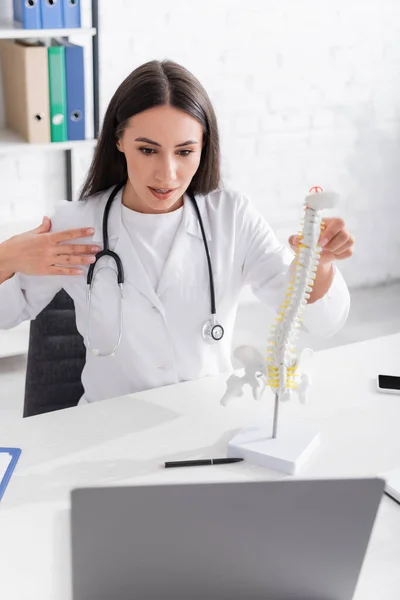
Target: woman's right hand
{"type": "Point", "coordinates": [37, 252]}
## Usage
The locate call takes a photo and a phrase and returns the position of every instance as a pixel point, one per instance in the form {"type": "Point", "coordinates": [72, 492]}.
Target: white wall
{"type": "Point", "coordinates": [306, 92]}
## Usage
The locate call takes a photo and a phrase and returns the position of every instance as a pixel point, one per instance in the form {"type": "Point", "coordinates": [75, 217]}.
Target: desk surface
{"type": "Point", "coordinates": [126, 441]}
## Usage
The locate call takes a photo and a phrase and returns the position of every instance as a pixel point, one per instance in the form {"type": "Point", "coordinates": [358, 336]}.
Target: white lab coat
{"type": "Point", "coordinates": [161, 340]}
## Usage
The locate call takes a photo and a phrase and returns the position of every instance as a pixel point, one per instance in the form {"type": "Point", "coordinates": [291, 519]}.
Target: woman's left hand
{"type": "Point", "coordinates": [336, 241]}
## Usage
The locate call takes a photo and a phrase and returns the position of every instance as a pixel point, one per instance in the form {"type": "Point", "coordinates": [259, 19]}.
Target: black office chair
{"type": "Point", "coordinates": [56, 357]}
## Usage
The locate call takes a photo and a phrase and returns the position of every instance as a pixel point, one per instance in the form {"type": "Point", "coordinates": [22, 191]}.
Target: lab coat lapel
{"type": "Point", "coordinates": [181, 251]}
{"type": "Point", "coordinates": [121, 243]}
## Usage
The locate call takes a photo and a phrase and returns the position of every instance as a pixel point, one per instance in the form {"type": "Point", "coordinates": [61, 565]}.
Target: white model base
{"type": "Point", "coordinates": [287, 453]}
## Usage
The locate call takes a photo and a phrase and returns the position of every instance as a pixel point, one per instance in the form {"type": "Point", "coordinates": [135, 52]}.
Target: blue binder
{"type": "Point", "coordinates": [71, 13]}
{"type": "Point", "coordinates": [14, 454]}
{"type": "Point", "coordinates": [75, 83]}
{"type": "Point", "coordinates": [26, 13]}
{"type": "Point", "coordinates": [52, 14]}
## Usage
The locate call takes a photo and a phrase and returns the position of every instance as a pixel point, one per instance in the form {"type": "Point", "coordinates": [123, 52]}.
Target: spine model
{"type": "Point", "coordinates": [282, 357]}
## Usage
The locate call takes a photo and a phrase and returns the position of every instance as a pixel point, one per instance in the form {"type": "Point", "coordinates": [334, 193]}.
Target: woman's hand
{"type": "Point", "coordinates": [336, 241]}
{"type": "Point", "coordinates": [337, 244]}
{"type": "Point", "coordinates": [37, 252]}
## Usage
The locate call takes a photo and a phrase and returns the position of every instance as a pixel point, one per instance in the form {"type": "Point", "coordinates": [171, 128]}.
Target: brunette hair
{"type": "Point", "coordinates": [155, 83]}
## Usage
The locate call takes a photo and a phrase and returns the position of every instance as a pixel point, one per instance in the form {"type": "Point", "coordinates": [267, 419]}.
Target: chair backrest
{"type": "Point", "coordinates": [56, 356]}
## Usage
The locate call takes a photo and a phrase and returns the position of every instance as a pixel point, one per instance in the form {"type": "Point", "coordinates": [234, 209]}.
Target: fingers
{"type": "Point", "coordinates": [339, 242]}
{"type": "Point", "coordinates": [336, 241]}
{"type": "Point", "coordinates": [69, 259]}
{"type": "Point", "coordinates": [71, 234]}
{"type": "Point", "coordinates": [346, 254]}
{"type": "Point", "coordinates": [44, 226]}
{"type": "Point", "coordinates": [349, 243]}
{"type": "Point", "coordinates": [64, 271]}
{"type": "Point", "coordinates": [333, 227]}
{"type": "Point", "coordinates": [69, 265]}
{"type": "Point", "coordinates": [76, 249]}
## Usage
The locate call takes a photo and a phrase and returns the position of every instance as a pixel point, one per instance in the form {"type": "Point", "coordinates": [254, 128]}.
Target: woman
{"type": "Point", "coordinates": [158, 155]}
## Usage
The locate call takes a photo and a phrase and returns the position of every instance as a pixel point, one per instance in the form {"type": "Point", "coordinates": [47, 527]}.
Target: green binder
{"type": "Point", "coordinates": [57, 93]}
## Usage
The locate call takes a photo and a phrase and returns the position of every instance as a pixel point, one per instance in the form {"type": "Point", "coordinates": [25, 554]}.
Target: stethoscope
{"type": "Point", "coordinates": [211, 332]}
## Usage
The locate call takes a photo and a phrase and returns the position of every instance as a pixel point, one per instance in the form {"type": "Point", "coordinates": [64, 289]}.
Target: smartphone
{"type": "Point", "coordinates": [389, 384]}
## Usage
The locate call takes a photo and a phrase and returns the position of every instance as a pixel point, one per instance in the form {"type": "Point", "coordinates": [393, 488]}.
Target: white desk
{"type": "Point", "coordinates": [14, 341]}
{"type": "Point", "coordinates": [125, 441]}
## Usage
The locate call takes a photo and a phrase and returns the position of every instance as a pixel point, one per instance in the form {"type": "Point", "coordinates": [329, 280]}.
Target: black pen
{"type": "Point", "coordinates": [202, 462]}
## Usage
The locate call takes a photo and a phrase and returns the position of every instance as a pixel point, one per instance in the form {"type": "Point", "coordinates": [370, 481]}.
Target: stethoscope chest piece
{"type": "Point", "coordinates": [212, 331]}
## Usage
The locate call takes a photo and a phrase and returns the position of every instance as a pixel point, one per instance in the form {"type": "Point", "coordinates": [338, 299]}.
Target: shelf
{"type": "Point", "coordinates": [10, 31]}
{"type": "Point", "coordinates": [11, 142]}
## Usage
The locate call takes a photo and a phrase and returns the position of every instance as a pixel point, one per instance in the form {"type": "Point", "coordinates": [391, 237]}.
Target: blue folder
{"type": "Point", "coordinates": [75, 84]}
{"type": "Point", "coordinates": [52, 14]}
{"type": "Point", "coordinates": [71, 13]}
{"type": "Point", "coordinates": [14, 454]}
{"type": "Point", "coordinates": [27, 14]}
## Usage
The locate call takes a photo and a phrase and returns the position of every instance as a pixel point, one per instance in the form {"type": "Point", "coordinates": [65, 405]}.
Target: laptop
{"type": "Point", "coordinates": [260, 540]}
